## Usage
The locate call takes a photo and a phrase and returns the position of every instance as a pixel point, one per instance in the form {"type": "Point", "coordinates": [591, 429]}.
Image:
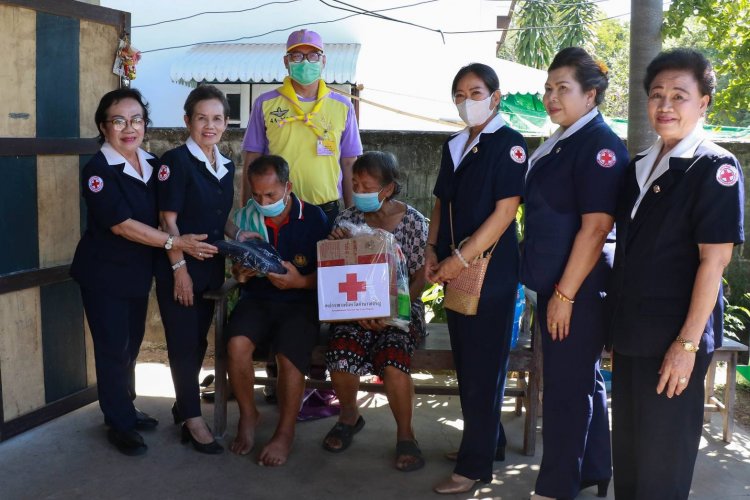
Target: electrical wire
{"type": "Point", "coordinates": [211, 12]}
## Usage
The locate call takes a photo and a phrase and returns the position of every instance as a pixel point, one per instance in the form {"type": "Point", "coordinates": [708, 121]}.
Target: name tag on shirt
{"type": "Point", "coordinates": [326, 147]}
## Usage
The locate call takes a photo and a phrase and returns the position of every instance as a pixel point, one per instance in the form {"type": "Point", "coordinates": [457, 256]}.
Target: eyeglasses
{"type": "Point", "coordinates": [297, 57]}
{"type": "Point", "coordinates": [119, 124]}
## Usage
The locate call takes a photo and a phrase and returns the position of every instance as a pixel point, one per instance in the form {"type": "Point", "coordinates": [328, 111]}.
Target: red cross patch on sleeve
{"type": "Point", "coordinates": [95, 183]}
{"type": "Point", "coordinates": [727, 175]}
{"type": "Point", "coordinates": [606, 158]}
{"type": "Point", "coordinates": [517, 154]}
{"type": "Point", "coordinates": [163, 173]}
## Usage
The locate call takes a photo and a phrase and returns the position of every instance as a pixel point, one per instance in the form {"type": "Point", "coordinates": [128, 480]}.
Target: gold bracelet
{"type": "Point", "coordinates": [563, 297]}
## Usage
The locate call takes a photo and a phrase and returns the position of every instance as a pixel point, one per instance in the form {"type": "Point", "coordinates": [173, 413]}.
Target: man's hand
{"type": "Point", "coordinates": [242, 273]}
{"type": "Point", "coordinates": [292, 279]}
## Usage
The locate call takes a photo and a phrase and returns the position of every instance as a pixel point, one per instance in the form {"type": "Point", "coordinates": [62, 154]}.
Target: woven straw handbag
{"type": "Point", "coordinates": [462, 293]}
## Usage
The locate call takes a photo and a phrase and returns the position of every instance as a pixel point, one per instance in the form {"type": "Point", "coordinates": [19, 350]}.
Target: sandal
{"type": "Point", "coordinates": [409, 449]}
{"type": "Point", "coordinates": [344, 433]}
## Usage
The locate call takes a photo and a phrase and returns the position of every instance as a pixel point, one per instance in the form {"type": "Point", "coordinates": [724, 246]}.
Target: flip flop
{"type": "Point", "coordinates": [409, 449]}
{"type": "Point", "coordinates": [344, 433]}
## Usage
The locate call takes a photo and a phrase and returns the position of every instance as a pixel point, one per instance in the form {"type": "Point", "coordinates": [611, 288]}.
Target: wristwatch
{"type": "Point", "coordinates": [168, 243]}
{"type": "Point", "coordinates": [688, 345]}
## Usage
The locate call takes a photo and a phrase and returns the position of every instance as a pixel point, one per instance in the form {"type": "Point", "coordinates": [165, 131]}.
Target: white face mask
{"type": "Point", "coordinates": [475, 113]}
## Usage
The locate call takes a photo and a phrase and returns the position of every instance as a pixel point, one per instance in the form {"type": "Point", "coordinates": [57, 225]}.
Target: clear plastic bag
{"type": "Point", "coordinates": [363, 277]}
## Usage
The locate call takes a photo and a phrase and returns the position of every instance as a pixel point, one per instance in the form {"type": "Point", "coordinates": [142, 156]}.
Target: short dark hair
{"type": "Point", "coordinates": [686, 60]}
{"type": "Point", "coordinates": [588, 73]}
{"type": "Point", "coordinates": [262, 164]}
{"type": "Point", "coordinates": [205, 93]}
{"type": "Point", "coordinates": [484, 72]}
{"type": "Point", "coordinates": [113, 97]}
{"type": "Point", "coordinates": [380, 165]}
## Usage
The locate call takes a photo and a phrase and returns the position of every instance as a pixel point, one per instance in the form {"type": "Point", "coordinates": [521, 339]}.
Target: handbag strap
{"type": "Point", "coordinates": [453, 240]}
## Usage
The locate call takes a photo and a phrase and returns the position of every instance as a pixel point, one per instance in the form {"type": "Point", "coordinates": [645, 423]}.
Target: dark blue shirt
{"type": "Point", "coordinates": [104, 261]}
{"type": "Point", "coordinates": [698, 200]}
{"type": "Point", "coordinates": [490, 172]}
{"type": "Point", "coordinates": [202, 203]}
{"type": "Point", "coordinates": [582, 174]}
{"type": "Point", "coordinates": [296, 239]}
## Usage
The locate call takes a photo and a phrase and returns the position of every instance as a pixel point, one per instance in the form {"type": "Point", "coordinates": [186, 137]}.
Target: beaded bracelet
{"type": "Point", "coordinates": [563, 297]}
{"type": "Point", "coordinates": [178, 264]}
{"type": "Point", "coordinates": [457, 252]}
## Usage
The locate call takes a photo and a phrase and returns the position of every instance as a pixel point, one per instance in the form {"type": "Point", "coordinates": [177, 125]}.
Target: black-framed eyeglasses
{"type": "Point", "coordinates": [298, 57]}
{"type": "Point", "coordinates": [119, 124]}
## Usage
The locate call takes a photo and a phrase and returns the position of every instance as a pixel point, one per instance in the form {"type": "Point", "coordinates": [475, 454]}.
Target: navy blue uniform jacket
{"type": "Point", "coordinates": [490, 172]}
{"type": "Point", "coordinates": [581, 175]}
{"type": "Point", "coordinates": [698, 200]}
{"type": "Point", "coordinates": [103, 261]}
{"type": "Point", "coordinates": [202, 203]}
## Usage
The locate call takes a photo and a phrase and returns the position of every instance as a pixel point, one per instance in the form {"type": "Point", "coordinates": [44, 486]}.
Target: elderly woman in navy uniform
{"type": "Point", "coordinates": [114, 260]}
{"type": "Point", "coordinates": [571, 195]}
{"type": "Point", "coordinates": [195, 188]}
{"type": "Point", "coordinates": [679, 216]}
{"type": "Point", "coordinates": [480, 182]}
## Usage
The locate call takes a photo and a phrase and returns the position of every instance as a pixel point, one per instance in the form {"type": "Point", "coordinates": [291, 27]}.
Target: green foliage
{"type": "Point", "coordinates": [612, 46]}
{"type": "Point", "coordinates": [726, 41]}
{"type": "Point", "coordinates": [737, 318]}
{"type": "Point", "coordinates": [537, 47]}
{"type": "Point", "coordinates": [432, 298]}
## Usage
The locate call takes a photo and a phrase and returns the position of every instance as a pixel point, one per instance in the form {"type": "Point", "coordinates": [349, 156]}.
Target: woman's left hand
{"type": "Point", "coordinates": [183, 287]}
{"type": "Point", "coordinates": [558, 318]}
{"type": "Point", "coordinates": [448, 270]}
{"type": "Point", "coordinates": [373, 325]}
{"type": "Point", "coordinates": [675, 370]}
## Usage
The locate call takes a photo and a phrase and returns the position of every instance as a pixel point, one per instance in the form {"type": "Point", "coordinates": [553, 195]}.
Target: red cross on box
{"type": "Point", "coordinates": [351, 287]}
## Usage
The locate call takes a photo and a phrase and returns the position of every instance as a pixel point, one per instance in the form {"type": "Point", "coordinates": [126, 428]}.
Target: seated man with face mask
{"type": "Point", "coordinates": [279, 310]}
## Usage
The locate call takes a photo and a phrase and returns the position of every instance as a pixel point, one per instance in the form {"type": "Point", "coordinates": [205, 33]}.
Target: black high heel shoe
{"type": "Point", "coordinates": [602, 485]}
{"type": "Point", "coordinates": [212, 448]}
{"type": "Point", "coordinates": [176, 413]}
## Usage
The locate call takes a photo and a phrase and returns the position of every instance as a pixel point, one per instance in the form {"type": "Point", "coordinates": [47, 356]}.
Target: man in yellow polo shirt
{"type": "Point", "coordinates": [312, 128]}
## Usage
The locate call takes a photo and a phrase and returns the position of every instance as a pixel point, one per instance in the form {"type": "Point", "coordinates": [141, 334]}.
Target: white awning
{"type": "Point", "coordinates": [257, 63]}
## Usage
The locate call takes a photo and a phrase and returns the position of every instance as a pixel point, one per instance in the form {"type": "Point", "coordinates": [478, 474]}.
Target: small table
{"type": "Point", "coordinates": [727, 353]}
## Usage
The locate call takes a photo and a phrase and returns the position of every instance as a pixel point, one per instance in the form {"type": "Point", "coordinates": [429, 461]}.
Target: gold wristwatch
{"type": "Point", "coordinates": [688, 345]}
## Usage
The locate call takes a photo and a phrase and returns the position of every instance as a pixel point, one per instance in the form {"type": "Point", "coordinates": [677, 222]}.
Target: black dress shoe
{"type": "Point", "coordinates": [176, 414]}
{"type": "Point", "coordinates": [212, 448]}
{"type": "Point", "coordinates": [602, 486]}
{"type": "Point", "coordinates": [500, 454]}
{"type": "Point", "coordinates": [127, 442]}
{"type": "Point", "coordinates": [144, 421]}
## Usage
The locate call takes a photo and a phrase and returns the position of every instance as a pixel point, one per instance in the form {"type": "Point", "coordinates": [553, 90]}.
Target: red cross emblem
{"type": "Point", "coordinates": [351, 287]}
{"type": "Point", "coordinates": [95, 183]}
{"type": "Point", "coordinates": [606, 158]}
{"type": "Point", "coordinates": [517, 154]}
{"type": "Point", "coordinates": [163, 173]}
{"type": "Point", "coordinates": [727, 175]}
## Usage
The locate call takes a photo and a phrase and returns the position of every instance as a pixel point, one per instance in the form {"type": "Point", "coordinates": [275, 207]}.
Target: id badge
{"type": "Point", "coordinates": [326, 147]}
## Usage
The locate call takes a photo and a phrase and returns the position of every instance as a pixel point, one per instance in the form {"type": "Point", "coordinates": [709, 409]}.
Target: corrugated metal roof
{"type": "Point", "coordinates": [257, 63]}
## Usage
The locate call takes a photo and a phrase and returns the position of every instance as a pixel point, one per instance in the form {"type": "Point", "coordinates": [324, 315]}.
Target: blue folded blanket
{"type": "Point", "coordinates": [253, 254]}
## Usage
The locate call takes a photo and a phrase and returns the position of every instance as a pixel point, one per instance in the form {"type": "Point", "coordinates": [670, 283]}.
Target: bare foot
{"type": "Point", "coordinates": [245, 440]}
{"type": "Point", "coordinates": [276, 451]}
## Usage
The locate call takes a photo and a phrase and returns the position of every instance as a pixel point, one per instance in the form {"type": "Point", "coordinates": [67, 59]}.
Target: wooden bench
{"type": "Point", "coordinates": [434, 355]}
{"type": "Point", "coordinates": [727, 353]}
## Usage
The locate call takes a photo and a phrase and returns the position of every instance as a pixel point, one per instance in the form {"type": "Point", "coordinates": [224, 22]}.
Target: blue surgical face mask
{"type": "Point", "coordinates": [273, 209]}
{"type": "Point", "coordinates": [367, 202]}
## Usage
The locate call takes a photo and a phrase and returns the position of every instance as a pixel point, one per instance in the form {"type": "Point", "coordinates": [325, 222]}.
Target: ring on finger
{"type": "Point", "coordinates": [200, 254]}
{"type": "Point", "coordinates": [682, 380]}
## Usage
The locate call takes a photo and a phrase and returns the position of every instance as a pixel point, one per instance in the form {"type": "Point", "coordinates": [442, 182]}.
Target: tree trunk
{"type": "Point", "coordinates": [646, 18]}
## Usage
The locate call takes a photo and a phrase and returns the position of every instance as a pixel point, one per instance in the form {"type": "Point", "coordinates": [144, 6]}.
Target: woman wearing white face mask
{"type": "Point", "coordinates": [371, 346]}
{"type": "Point", "coordinates": [478, 191]}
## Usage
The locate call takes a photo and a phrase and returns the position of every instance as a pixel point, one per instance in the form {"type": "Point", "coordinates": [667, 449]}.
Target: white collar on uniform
{"type": "Point", "coordinates": [457, 144]}
{"type": "Point", "coordinates": [114, 158]}
{"type": "Point", "coordinates": [196, 151]}
{"type": "Point", "coordinates": [645, 174]}
{"type": "Point", "coordinates": [546, 147]}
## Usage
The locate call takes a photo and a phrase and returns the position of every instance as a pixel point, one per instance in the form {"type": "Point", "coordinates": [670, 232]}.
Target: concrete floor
{"type": "Point", "coordinates": [70, 458]}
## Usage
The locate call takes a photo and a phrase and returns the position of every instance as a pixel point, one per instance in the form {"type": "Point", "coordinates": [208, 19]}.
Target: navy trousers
{"type": "Point", "coordinates": [481, 347]}
{"type": "Point", "coordinates": [655, 439]}
{"type": "Point", "coordinates": [185, 329]}
{"type": "Point", "coordinates": [117, 327]}
{"type": "Point", "coordinates": [576, 425]}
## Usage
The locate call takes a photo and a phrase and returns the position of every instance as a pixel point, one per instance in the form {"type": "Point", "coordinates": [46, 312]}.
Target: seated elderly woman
{"type": "Point", "coordinates": [370, 346]}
